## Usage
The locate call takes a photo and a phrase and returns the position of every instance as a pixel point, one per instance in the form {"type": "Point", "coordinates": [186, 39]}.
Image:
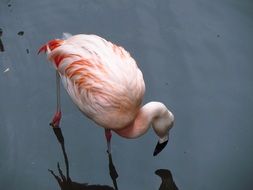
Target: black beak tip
{"type": "Point", "coordinates": [159, 147]}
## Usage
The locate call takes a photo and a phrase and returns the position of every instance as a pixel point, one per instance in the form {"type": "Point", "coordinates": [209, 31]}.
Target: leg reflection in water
{"type": "Point", "coordinates": [167, 180]}
{"type": "Point", "coordinates": [113, 173]}
{"type": "Point", "coordinates": [66, 183]}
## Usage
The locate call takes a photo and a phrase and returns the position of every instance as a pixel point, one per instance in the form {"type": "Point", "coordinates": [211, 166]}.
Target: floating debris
{"type": "Point", "coordinates": [218, 35]}
{"type": "Point", "coordinates": [7, 70]}
{"type": "Point", "coordinates": [27, 51]}
{"type": "Point", "coordinates": [9, 5]}
{"type": "Point", "coordinates": [1, 46]}
{"type": "Point", "coordinates": [21, 33]}
{"type": "Point", "coordinates": [1, 32]}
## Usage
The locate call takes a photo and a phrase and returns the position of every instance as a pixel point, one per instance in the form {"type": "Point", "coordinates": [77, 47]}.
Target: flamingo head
{"type": "Point", "coordinates": [162, 126]}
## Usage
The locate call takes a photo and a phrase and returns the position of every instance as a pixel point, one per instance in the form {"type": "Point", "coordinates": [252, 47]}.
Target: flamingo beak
{"type": "Point", "coordinates": [159, 147]}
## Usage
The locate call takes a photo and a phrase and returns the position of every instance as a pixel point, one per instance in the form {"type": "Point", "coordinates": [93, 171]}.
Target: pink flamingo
{"type": "Point", "coordinates": [104, 81]}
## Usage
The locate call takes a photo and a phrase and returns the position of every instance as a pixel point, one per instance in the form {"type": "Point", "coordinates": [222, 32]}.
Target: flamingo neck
{"type": "Point", "coordinates": [154, 113]}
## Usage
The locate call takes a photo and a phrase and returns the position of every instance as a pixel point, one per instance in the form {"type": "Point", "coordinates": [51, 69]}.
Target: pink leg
{"type": "Point", "coordinates": [57, 116]}
{"type": "Point", "coordinates": [108, 135]}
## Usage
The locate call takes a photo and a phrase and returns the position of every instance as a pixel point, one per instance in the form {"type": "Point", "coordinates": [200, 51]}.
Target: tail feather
{"type": "Point", "coordinates": [51, 45]}
{"type": "Point", "coordinates": [43, 49]}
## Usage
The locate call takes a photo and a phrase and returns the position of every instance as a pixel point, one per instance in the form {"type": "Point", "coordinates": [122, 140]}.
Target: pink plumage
{"type": "Point", "coordinates": [104, 81]}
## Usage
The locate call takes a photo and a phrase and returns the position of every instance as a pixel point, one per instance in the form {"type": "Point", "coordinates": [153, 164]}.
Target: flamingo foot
{"type": "Point", "coordinates": [55, 123]}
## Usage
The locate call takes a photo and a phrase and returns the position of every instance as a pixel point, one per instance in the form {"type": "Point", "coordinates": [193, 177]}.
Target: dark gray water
{"type": "Point", "coordinates": [196, 57]}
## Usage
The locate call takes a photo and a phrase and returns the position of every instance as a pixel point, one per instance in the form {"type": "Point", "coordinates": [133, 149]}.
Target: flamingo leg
{"type": "Point", "coordinates": [55, 123]}
{"type": "Point", "coordinates": [108, 135]}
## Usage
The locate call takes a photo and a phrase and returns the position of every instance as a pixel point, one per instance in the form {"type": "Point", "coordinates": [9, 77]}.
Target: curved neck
{"type": "Point", "coordinates": [147, 115]}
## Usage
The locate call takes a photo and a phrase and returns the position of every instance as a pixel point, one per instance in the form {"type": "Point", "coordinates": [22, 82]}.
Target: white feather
{"type": "Point", "coordinates": [66, 35]}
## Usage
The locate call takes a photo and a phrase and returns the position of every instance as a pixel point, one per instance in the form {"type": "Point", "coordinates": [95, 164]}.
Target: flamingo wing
{"type": "Point", "coordinates": [102, 78]}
